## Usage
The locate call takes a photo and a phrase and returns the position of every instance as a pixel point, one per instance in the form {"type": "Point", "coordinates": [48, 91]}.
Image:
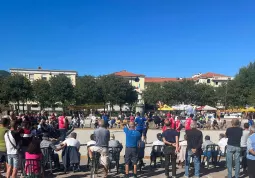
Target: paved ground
{"type": "Point", "coordinates": [218, 172]}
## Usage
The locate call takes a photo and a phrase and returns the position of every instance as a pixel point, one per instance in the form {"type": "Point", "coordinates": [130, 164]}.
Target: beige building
{"type": "Point", "coordinates": [212, 79]}
{"type": "Point", "coordinates": [35, 74]}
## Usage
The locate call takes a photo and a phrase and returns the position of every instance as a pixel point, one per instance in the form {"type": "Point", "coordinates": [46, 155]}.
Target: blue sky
{"type": "Point", "coordinates": [166, 38]}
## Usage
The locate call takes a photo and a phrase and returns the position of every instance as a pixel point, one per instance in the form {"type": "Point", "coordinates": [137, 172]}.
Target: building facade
{"type": "Point", "coordinates": [35, 74]}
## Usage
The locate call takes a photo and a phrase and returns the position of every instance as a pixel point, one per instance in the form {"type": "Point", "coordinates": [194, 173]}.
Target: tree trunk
{"type": "Point", "coordinates": [23, 107]}
{"type": "Point", "coordinates": [120, 108]}
{"type": "Point", "coordinates": [18, 107]}
{"type": "Point", "coordinates": [104, 106]}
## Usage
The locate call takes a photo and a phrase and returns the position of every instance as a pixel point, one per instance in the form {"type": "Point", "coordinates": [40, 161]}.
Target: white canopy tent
{"type": "Point", "coordinates": [209, 108]}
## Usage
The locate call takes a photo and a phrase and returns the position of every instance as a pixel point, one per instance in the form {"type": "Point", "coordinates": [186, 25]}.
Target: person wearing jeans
{"type": "Point", "coordinates": [251, 153]}
{"type": "Point", "coordinates": [234, 135]}
{"type": "Point", "coordinates": [197, 161]}
{"type": "Point", "coordinates": [244, 139]}
{"type": "Point", "coordinates": [194, 148]}
{"type": "Point", "coordinates": [171, 141]}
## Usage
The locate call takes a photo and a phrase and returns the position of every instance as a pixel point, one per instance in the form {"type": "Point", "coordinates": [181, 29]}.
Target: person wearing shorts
{"type": "Point", "coordinates": [12, 140]}
{"type": "Point", "coordinates": [131, 153]}
{"type": "Point", "coordinates": [102, 137]}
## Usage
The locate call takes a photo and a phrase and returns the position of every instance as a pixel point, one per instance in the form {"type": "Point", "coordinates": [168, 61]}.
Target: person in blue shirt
{"type": "Point", "coordinates": [250, 122]}
{"type": "Point", "coordinates": [140, 122]}
{"type": "Point", "coordinates": [133, 138]}
{"type": "Point", "coordinates": [251, 153]}
{"type": "Point", "coordinates": [106, 119]}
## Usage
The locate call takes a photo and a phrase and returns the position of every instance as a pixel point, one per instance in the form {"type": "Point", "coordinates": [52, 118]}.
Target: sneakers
{"type": "Point", "coordinates": [126, 176]}
{"type": "Point", "coordinates": [135, 176]}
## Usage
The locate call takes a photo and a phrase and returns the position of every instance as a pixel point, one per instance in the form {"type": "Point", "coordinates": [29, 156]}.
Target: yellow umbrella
{"type": "Point", "coordinates": [250, 109]}
{"type": "Point", "coordinates": [165, 108]}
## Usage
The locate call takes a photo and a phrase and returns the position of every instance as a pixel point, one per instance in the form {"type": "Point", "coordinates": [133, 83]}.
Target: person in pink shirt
{"type": "Point", "coordinates": [132, 118]}
{"type": "Point", "coordinates": [33, 153]}
{"type": "Point", "coordinates": [188, 122]}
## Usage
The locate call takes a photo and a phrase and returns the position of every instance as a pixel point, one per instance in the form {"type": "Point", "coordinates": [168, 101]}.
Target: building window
{"type": "Point", "coordinates": [208, 81]}
{"type": "Point", "coordinates": [31, 77]}
{"type": "Point", "coordinates": [216, 83]}
{"type": "Point", "coordinates": [44, 77]}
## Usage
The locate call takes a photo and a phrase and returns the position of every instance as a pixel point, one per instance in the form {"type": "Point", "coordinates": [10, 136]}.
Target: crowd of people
{"type": "Point", "coordinates": [23, 137]}
{"type": "Point", "coordinates": [236, 144]}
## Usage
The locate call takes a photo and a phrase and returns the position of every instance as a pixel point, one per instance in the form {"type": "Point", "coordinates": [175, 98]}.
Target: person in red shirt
{"type": "Point", "coordinates": [188, 122]}
{"type": "Point", "coordinates": [132, 118]}
{"type": "Point", "coordinates": [164, 127]}
{"type": "Point", "coordinates": [168, 115]}
{"type": "Point", "coordinates": [172, 121]}
{"type": "Point", "coordinates": [178, 125]}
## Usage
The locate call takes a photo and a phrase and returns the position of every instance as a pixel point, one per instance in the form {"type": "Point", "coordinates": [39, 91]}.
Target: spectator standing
{"type": "Point", "coordinates": [194, 148]}
{"type": "Point", "coordinates": [178, 126]}
{"type": "Point", "coordinates": [172, 121]}
{"type": "Point", "coordinates": [139, 123]}
{"type": "Point", "coordinates": [106, 119]}
{"type": "Point", "coordinates": [244, 138]}
{"type": "Point", "coordinates": [131, 153]}
{"type": "Point", "coordinates": [63, 126]}
{"type": "Point", "coordinates": [188, 122]}
{"type": "Point", "coordinates": [234, 135]}
{"type": "Point", "coordinates": [102, 137]}
{"type": "Point", "coordinates": [251, 153]}
{"type": "Point", "coordinates": [171, 141]}
{"type": "Point", "coordinates": [250, 122]}
{"type": "Point", "coordinates": [4, 122]}
{"type": "Point", "coordinates": [12, 140]}
{"type": "Point", "coordinates": [132, 118]}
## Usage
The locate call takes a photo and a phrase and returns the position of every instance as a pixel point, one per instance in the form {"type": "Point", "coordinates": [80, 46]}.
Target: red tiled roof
{"type": "Point", "coordinates": [160, 80]}
{"type": "Point", "coordinates": [211, 75]}
{"type": "Point", "coordinates": [125, 73]}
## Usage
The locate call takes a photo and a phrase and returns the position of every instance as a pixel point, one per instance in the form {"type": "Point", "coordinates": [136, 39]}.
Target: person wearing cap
{"type": "Point", "coordinates": [49, 143]}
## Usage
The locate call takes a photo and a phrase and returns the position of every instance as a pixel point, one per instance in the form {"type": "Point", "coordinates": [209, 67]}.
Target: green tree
{"type": "Point", "coordinates": [153, 94]}
{"type": "Point", "coordinates": [17, 88]}
{"type": "Point", "coordinates": [41, 93]}
{"type": "Point", "coordinates": [205, 95]}
{"type": "Point", "coordinates": [86, 90]}
{"type": "Point", "coordinates": [116, 90]}
{"type": "Point", "coordinates": [61, 90]}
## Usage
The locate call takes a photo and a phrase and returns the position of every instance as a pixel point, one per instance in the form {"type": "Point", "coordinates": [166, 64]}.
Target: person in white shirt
{"type": "Point", "coordinates": [223, 142]}
{"type": "Point", "coordinates": [71, 141]}
{"type": "Point", "coordinates": [156, 143]}
{"type": "Point", "coordinates": [92, 141]}
{"type": "Point", "coordinates": [243, 144]}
